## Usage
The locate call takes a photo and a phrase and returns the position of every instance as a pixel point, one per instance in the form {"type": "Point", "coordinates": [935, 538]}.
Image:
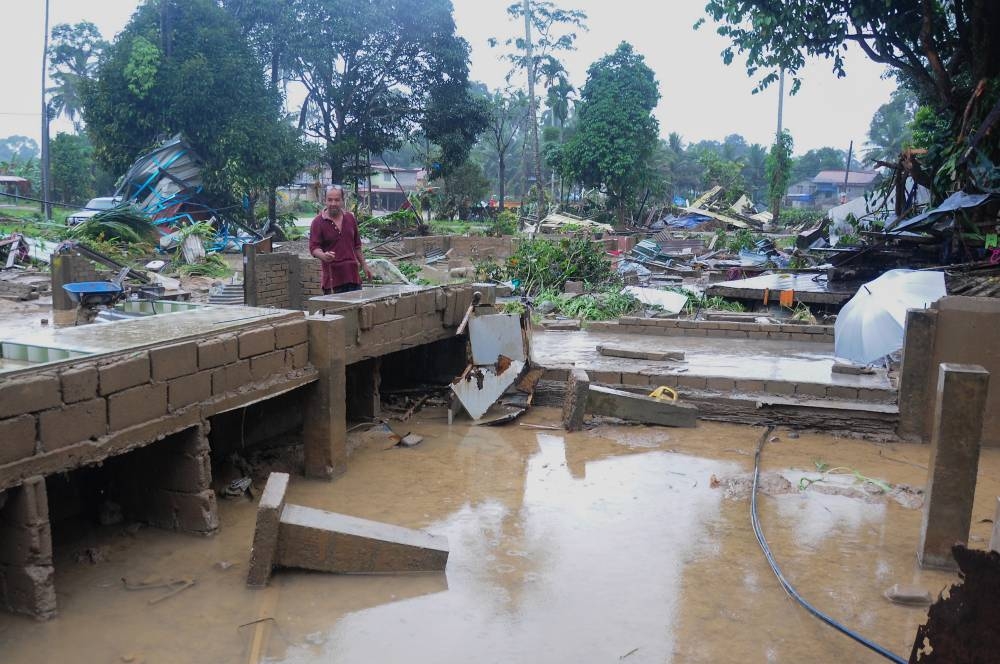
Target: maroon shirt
{"type": "Point", "coordinates": [344, 243]}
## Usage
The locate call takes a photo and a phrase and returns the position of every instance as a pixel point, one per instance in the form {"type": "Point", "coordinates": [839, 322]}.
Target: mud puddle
{"type": "Point", "coordinates": [564, 548]}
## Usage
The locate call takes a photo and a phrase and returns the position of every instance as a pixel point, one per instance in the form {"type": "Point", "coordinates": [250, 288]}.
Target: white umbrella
{"type": "Point", "coordinates": [871, 324]}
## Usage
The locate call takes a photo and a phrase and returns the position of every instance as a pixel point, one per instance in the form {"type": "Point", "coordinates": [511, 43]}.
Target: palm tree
{"type": "Point", "coordinates": [558, 99]}
{"type": "Point", "coordinates": [889, 132]}
{"type": "Point", "coordinates": [73, 61]}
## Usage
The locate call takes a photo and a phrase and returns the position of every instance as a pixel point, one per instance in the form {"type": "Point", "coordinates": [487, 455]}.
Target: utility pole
{"type": "Point", "coordinates": [847, 168]}
{"type": "Point", "coordinates": [532, 112]}
{"type": "Point", "coordinates": [46, 183]}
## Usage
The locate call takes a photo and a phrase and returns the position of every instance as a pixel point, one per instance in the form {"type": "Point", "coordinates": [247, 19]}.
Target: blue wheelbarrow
{"type": "Point", "coordinates": [94, 293]}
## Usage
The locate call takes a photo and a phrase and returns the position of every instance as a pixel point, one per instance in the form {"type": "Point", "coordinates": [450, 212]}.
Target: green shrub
{"type": "Point", "coordinates": [541, 263]}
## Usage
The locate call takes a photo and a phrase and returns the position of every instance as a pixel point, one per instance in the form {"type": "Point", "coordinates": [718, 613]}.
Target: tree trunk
{"type": "Point", "coordinates": [503, 180]}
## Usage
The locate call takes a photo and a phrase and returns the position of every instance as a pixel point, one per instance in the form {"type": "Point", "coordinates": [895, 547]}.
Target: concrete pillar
{"type": "Point", "coordinates": [995, 539]}
{"type": "Point", "coordinates": [249, 275]}
{"type": "Point", "coordinates": [325, 429]}
{"type": "Point", "coordinates": [364, 401]}
{"type": "Point", "coordinates": [915, 373]}
{"type": "Point", "coordinates": [575, 405]}
{"type": "Point", "coordinates": [265, 535]}
{"type": "Point", "coordinates": [26, 571]}
{"type": "Point", "coordinates": [169, 484]}
{"type": "Point", "coordinates": [955, 442]}
{"type": "Point", "coordinates": [63, 308]}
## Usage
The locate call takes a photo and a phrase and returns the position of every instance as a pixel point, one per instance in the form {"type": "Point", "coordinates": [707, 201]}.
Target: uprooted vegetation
{"type": "Point", "coordinates": [543, 264]}
{"type": "Point", "coordinates": [605, 305]}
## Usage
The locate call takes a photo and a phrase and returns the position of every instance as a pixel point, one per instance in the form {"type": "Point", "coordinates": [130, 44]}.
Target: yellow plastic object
{"type": "Point", "coordinates": [664, 393]}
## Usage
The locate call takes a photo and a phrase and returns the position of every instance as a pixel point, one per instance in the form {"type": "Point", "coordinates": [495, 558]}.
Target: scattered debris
{"type": "Point", "coordinates": [173, 586]}
{"type": "Point", "coordinates": [908, 595]}
{"type": "Point", "coordinates": [962, 625]}
{"type": "Point", "coordinates": [612, 350]}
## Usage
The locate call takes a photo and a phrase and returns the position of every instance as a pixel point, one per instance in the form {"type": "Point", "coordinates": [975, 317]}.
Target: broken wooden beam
{"type": "Point", "coordinates": [322, 541]}
{"type": "Point", "coordinates": [640, 408]}
{"type": "Point", "coordinates": [610, 350]}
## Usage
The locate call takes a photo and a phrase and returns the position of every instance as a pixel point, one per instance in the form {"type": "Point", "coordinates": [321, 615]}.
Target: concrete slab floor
{"type": "Point", "coordinates": [125, 334]}
{"type": "Point", "coordinates": [749, 359]}
{"type": "Point", "coordinates": [582, 547]}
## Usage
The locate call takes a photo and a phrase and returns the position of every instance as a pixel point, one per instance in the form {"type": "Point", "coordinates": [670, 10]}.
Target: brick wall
{"type": "Point", "coordinates": [698, 328]}
{"type": "Point", "coordinates": [273, 278]}
{"type": "Point", "coordinates": [397, 323]}
{"type": "Point", "coordinates": [83, 412]}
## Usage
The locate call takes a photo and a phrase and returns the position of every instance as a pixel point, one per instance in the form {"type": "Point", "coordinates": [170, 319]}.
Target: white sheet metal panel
{"type": "Point", "coordinates": [496, 335]}
{"type": "Point", "coordinates": [477, 400]}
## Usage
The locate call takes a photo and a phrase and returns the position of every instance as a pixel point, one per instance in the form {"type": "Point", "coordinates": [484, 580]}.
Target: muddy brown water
{"type": "Point", "coordinates": [605, 545]}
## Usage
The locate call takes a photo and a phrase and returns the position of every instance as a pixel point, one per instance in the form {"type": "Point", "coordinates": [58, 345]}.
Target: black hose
{"type": "Point", "coordinates": [755, 521]}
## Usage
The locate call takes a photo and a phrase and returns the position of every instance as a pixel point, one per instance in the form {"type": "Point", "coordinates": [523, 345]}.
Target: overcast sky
{"type": "Point", "coordinates": [701, 97]}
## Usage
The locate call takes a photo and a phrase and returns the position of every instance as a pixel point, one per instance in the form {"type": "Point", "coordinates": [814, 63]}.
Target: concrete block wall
{"type": "Point", "coordinates": [393, 324]}
{"type": "Point", "coordinates": [26, 568]}
{"type": "Point", "coordinates": [732, 386]}
{"type": "Point", "coordinates": [274, 276]}
{"type": "Point", "coordinates": [169, 484]}
{"type": "Point", "coordinates": [388, 326]}
{"type": "Point", "coordinates": [722, 329]}
{"type": "Point", "coordinates": [82, 412]}
{"type": "Point", "coordinates": [955, 329]}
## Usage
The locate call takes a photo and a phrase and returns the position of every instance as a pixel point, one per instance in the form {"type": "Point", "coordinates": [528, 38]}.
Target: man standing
{"type": "Point", "coordinates": [334, 239]}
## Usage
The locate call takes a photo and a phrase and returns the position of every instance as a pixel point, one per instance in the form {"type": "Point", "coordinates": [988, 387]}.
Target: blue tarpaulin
{"type": "Point", "coordinates": [687, 221]}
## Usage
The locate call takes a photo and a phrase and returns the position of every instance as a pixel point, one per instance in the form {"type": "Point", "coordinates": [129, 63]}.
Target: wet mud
{"type": "Point", "coordinates": [606, 545]}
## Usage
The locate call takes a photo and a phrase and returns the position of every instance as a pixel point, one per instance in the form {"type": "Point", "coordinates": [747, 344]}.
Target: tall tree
{"type": "Point", "coordinates": [18, 147]}
{"type": "Point", "coordinates": [616, 132]}
{"type": "Point", "coordinates": [184, 67]}
{"type": "Point", "coordinates": [508, 117]}
{"type": "Point", "coordinates": [73, 169]}
{"type": "Point", "coordinates": [779, 169]}
{"type": "Point", "coordinates": [548, 30]}
{"type": "Point", "coordinates": [889, 131]}
{"type": "Point", "coordinates": [755, 172]}
{"type": "Point", "coordinates": [268, 26]}
{"type": "Point", "coordinates": [947, 52]}
{"type": "Point", "coordinates": [374, 72]}
{"type": "Point", "coordinates": [73, 57]}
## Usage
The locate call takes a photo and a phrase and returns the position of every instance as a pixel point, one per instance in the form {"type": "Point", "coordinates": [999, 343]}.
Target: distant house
{"type": "Point", "coordinates": [15, 186]}
{"type": "Point", "coordinates": [829, 189]}
{"type": "Point", "coordinates": [385, 193]}
{"type": "Point", "coordinates": [385, 190]}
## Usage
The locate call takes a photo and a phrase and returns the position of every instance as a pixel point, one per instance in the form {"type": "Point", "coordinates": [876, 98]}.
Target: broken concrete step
{"type": "Point", "coordinates": [611, 350]}
{"type": "Point", "coordinates": [640, 408]}
{"type": "Point", "coordinates": [330, 542]}
{"type": "Point", "coordinates": [290, 535]}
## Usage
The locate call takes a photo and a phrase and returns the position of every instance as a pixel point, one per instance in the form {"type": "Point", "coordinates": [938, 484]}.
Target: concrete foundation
{"type": "Point", "coordinates": [290, 535]}
{"type": "Point", "coordinates": [575, 405]}
{"type": "Point", "coordinates": [954, 462]}
{"type": "Point", "coordinates": [26, 571]}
